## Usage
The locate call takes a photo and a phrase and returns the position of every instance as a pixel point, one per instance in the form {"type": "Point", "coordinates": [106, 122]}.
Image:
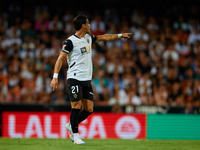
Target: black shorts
{"type": "Point", "coordinates": [79, 90]}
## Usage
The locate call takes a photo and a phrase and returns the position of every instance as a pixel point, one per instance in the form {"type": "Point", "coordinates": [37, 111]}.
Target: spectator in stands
{"type": "Point", "coordinates": [56, 26]}
{"type": "Point", "coordinates": [138, 17]}
{"type": "Point", "coordinates": [42, 22]}
{"type": "Point", "coordinates": [181, 24]}
{"type": "Point", "coordinates": [118, 98]}
{"type": "Point", "coordinates": [183, 47]}
{"type": "Point", "coordinates": [100, 83]}
{"type": "Point", "coordinates": [194, 36]}
{"type": "Point", "coordinates": [27, 31]}
{"type": "Point", "coordinates": [170, 54]}
{"type": "Point", "coordinates": [160, 95]}
{"type": "Point", "coordinates": [97, 25]}
{"type": "Point", "coordinates": [132, 94]}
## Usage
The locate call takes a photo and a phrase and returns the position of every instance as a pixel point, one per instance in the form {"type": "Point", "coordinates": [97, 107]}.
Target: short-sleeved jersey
{"type": "Point", "coordinates": [79, 57]}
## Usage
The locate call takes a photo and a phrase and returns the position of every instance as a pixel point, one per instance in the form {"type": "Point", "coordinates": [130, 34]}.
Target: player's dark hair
{"type": "Point", "coordinates": [79, 20]}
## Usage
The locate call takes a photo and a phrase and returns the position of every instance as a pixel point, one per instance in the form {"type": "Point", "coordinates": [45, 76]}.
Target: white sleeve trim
{"type": "Point", "coordinates": [65, 50]}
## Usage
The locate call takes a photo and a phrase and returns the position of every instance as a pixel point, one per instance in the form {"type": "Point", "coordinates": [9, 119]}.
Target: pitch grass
{"type": "Point", "coordinates": [98, 144]}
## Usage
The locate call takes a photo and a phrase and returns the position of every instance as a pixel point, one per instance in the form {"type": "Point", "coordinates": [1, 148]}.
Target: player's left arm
{"type": "Point", "coordinates": [110, 37]}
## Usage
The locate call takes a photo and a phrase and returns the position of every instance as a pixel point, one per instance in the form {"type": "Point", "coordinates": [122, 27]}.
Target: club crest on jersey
{"type": "Point", "coordinates": [88, 40]}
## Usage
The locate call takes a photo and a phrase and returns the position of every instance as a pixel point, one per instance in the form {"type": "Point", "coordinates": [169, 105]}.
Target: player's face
{"type": "Point", "coordinates": [87, 27]}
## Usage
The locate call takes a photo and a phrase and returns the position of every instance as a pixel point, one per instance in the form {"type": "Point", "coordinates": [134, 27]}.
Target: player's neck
{"type": "Point", "coordinates": [80, 34]}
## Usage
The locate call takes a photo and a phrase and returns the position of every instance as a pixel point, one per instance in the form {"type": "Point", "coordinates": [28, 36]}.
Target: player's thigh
{"type": "Point", "coordinates": [87, 100]}
{"type": "Point", "coordinates": [87, 105]}
{"type": "Point", "coordinates": [87, 90]}
{"type": "Point", "coordinates": [74, 90]}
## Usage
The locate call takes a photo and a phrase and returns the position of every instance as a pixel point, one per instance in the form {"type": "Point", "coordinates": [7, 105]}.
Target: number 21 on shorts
{"type": "Point", "coordinates": [74, 89]}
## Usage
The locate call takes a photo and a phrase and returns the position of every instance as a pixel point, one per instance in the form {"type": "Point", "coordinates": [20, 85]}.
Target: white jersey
{"type": "Point", "coordinates": [79, 57]}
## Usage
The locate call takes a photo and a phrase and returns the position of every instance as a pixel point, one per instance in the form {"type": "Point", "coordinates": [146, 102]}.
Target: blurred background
{"type": "Point", "coordinates": [157, 70]}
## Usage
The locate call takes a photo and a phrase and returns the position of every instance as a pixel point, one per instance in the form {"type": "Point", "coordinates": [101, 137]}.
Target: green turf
{"type": "Point", "coordinates": [98, 144]}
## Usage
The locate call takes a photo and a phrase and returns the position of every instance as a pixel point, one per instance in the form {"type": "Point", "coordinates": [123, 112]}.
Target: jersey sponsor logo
{"type": "Point", "coordinates": [91, 93]}
{"type": "Point", "coordinates": [85, 50]}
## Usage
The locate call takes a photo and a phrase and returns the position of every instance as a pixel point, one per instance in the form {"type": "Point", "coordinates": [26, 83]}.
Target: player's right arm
{"type": "Point", "coordinates": [58, 65]}
{"type": "Point", "coordinates": [66, 49]}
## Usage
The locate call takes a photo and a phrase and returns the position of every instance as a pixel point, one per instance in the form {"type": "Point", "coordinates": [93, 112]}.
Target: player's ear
{"type": "Point", "coordinates": [83, 26]}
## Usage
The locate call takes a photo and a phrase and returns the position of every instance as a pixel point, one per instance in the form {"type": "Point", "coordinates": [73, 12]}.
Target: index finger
{"type": "Point", "coordinates": [129, 34]}
{"type": "Point", "coordinates": [53, 87]}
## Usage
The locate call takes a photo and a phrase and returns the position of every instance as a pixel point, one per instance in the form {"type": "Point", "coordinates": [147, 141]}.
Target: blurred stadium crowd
{"type": "Point", "coordinates": [159, 65]}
